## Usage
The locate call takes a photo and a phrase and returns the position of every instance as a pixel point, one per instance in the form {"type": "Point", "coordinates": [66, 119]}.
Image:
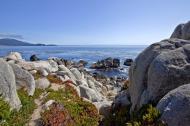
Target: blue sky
{"type": "Point", "coordinates": [76, 22]}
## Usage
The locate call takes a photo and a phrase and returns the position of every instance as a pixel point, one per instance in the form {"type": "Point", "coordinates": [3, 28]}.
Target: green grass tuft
{"type": "Point", "coordinates": [21, 117]}
{"type": "Point", "coordinates": [83, 113]}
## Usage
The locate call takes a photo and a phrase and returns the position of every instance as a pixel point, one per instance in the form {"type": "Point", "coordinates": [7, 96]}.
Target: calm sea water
{"type": "Point", "coordinates": [75, 53]}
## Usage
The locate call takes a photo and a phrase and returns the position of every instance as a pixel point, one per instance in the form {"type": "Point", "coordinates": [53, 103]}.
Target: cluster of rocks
{"type": "Point", "coordinates": [110, 63]}
{"type": "Point", "coordinates": [161, 75]}
{"type": "Point", "coordinates": [61, 61]}
{"type": "Point", "coordinates": [106, 63]}
{"type": "Point", "coordinates": [16, 73]}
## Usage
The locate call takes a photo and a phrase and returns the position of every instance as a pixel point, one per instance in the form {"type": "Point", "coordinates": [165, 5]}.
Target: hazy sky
{"type": "Point", "coordinates": [75, 22]}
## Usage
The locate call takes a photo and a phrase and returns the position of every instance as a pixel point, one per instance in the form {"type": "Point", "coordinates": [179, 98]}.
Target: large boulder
{"type": "Point", "coordinates": [122, 99]}
{"type": "Point", "coordinates": [160, 68]}
{"type": "Point", "coordinates": [24, 79]}
{"type": "Point", "coordinates": [90, 94]}
{"type": "Point", "coordinates": [182, 31]}
{"type": "Point", "coordinates": [14, 56]}
{"type": "Point", "coordinates": [8, 85]}
{"type": "Point", "coordinates": [76, 73]}
{"type": "Point", "coordinates": [68, 73]}
{"type": "Point", "coordinates": [175, 106]}
{"type": "Point", "coordinates": [104, 107]}
{"type": "Point", "coordinates": [49, 65]}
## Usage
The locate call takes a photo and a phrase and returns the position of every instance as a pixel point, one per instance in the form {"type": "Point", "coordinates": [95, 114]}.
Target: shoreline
{"type": "Point", "coordinates": [54, 73]}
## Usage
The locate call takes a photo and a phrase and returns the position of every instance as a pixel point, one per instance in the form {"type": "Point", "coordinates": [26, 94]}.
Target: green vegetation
{"type": "Point", "coordinates": [83, 113]}
{"type": "Point", "coordinates": [4, 110]}
{"type": "Point", "coordinates": [21, 117]}
{"type": "Point", "coordinates": [146, 116]}
{"type": "Point", "coordinates": [37, 75]}
{"type": "Point", "coordinates": [57, 115]}
{"type": "Point", "coordinates": [118, 117]}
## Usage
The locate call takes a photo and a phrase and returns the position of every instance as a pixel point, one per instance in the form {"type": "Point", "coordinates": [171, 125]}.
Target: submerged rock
{"type": "Point", "coordinates": [175, 106]}
{"type": "Point", "coordinates": [8, 85]}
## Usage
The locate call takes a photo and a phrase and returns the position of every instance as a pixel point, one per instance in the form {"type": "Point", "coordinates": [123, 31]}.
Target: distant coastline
{"type": "Point", "coordinates": [14, 42]}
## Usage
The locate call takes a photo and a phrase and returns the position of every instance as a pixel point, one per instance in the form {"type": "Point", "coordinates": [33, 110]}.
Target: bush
{"type": "Point", "coordinates": [54, 79]}
{"type": "Point", "coordinates": [57, 115]}
{"type": "Point", "coordinates": [83, 113]}
{"type": "Point", "coordinates": [146, 116]}
{"type": "Point", "coordinates": [117, 117]}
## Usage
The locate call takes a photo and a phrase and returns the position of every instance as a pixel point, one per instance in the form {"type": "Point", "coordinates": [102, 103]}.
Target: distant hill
{"type": "Point", "coordinates": [14, 42]}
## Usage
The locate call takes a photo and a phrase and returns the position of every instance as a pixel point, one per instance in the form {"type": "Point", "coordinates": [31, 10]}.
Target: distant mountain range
{"type": "Point", "coordinates": [14, 42]}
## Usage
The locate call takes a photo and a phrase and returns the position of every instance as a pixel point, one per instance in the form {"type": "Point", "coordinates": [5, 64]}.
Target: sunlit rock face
{"type": "Point", "coordinates": [8, 85]}
{"type": "Point", "coordinates": [160, 68]}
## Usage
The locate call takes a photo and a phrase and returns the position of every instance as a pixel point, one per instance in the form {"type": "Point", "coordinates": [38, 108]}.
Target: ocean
{"type": "Point", "coordinates": [90, 53]}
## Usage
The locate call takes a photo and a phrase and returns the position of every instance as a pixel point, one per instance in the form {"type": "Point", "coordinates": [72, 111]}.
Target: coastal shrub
{"type": "Point", "coordinates": [82, 112]}
{"type": "Point", "coordinates": [57, 115]}
{"type": "Point", "coordinates": [146, 116]}
{"type": "Point", "coordinates": [21, 117]}
{"type": "Point", "coordinates": [117, 117]}
{"type": "Point", "coordinates": [54, 79]}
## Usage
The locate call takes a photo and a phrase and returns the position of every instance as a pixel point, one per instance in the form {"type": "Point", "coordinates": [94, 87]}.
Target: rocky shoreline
{"type": "Point", "coordinates": [17, 73]}
{"type": "Point", "coordinates": [63, 92]}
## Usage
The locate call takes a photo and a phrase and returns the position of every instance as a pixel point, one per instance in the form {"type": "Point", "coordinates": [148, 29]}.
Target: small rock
{"type": "Point", "coordinates": [14, 56]}
{"type": "Point", "coordinates": [82, 63]}
{"type": "Point", "coordinates": [128, 62]}
{"type": "Point", "coordinates": [48, 104]}
{"type": "Point", "coordinates": [42, 83]}
{"type": "Point", "coordinates": [33, 72]}
{"type": "Point", "coordinates": [43, 72]}
{"type": "Point", "coordinates": [34, 58]}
